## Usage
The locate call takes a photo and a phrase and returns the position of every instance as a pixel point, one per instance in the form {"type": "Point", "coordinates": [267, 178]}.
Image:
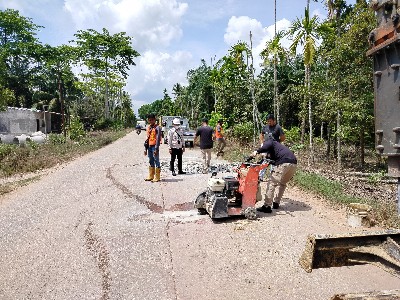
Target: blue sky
{"type": "Point", "coordinates": [172, 36]}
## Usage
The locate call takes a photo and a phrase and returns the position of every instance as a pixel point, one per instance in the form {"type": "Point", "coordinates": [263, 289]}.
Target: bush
{"type": "Point", "coordinates": [102, 124]}
{"type": "Point", "coordinates": [243, 132]}
{"type": "Point", "coordinates": [76, 130]}
{"type": "Point", "coordinates": [214, 120]}
{"type": "Point", "coordinates": [6, 149]}
{"type": "Point", "coordinates": [56, 139]}
{"type": "Point", "coordinates": [117, 125]}
{"type": "Point", "coordinates": [292, 136]}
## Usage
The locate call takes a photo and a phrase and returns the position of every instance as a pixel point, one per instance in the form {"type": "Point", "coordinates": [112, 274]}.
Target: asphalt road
{"type": "Point", "coordinates": [94, 229]}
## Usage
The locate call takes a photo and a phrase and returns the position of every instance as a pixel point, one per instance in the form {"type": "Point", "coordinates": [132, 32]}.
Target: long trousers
{"type": "Point", "coordinates": [280, 176]}
{"type": "Point", "coordinates": [176, 153]}
{"type": "Point", "coordinates": [220, 145]}
{"type": "Point", "coordinates": [206, 155]}
{"type": "Point", "coordinates": [154, 160]}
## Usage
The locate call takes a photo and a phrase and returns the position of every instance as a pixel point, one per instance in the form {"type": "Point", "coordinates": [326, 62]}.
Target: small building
{"type": "Point", "coordinates": [16, 121]}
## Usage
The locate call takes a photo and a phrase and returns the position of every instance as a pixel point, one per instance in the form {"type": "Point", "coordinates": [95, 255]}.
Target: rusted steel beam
{"type": "Point", "coordinates": [379, 248]}
{"type": "Point", "coordinates": [380, 295]}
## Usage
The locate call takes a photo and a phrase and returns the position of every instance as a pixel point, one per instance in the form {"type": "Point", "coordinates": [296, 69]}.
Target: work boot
{"type": "Point", "coordinates": [157, 175]}
{"type": "Point", "coordinates": [181, 172]}
{"type": "Point", "coordinates": [275, 205]}
{"type": "Point", "coordinates": [151, 174]}
{"type": "Point", "coordinates": [173, 173]}
{"type": "Point", "coordinates": [265, 209]}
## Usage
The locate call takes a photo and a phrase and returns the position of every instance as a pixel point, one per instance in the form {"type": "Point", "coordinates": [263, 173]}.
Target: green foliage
{"type": "Point", "coordinates": [56, 139]}
{"type": "Point", "coordinates": [7, 98]}
{"type": "Point", "coordinates": [102, 124]}
{"type": "Point", "coordinates": [243, 132]}
{"type": "Point", "coordinates": [330, 189]}
{"type": "Point", "coordinates": [75, 130]}
{"type": "Point", "coordinates": [375, 178]}
{"type": "Point", "coordinates": [117, 125]}
{"type": "Point", "coordinates": [292, 135]}
{"type": "Point", "coordinates": [103, 52]}
{"type": "Point", "coordinates": [215, 117]}
{"type": "Point", "coordinates": [6, 150]}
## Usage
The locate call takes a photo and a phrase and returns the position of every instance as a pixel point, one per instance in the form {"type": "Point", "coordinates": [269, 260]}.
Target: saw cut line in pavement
{"type": "Point", "coordinates": [151, 206]}
{"type": "Point", "coordinates": [99, 252]}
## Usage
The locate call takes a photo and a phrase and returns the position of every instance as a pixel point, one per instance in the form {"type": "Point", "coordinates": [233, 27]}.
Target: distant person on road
{"type": "Point", "coordinates": [176, 145]}
{"type": "Point", "coordinates": [272, 128]}
{"type": "Point", "coordinates": [282, 173]}
{"type": "Point", "coordinates": [220, 138]}
{"type": "Point", "coordinates": [205, 133]}
{"type": "Point", "coordinates": [152, 146]}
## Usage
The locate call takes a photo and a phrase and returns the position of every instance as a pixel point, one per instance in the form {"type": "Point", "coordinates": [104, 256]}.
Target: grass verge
{"type": "Point", "coordinates": [385, 212]}
{"type": "Point", "coordinates": [11, 186]}
{"type": "Point", "coordinates": [15, 159]}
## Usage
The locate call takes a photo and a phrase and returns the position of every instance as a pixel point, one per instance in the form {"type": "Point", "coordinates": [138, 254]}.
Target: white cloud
{"type": "Point", "coordinates": [152, 23]}
{"type": "Point", "coordinates": [159, 70]}
{"type": "Point", "coordinates": [239, 30]}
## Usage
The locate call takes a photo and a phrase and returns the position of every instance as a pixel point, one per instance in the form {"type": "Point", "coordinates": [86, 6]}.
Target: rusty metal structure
{"type": "Point", "coordinates": [335, 250]}
{"type": "Point", "coordinates": [385, 50]}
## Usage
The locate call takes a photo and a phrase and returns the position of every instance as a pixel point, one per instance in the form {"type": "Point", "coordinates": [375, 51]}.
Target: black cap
{"type": "Point", "coordinates": [205, 120]}
{"type": "Point", "coordinates": [270, 117]}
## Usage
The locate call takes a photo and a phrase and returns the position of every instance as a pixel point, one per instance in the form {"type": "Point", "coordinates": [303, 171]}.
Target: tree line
{"type": "Point", "coordinates": [40, 76]}
{"type": "Point", "coordinates": [323, 94]}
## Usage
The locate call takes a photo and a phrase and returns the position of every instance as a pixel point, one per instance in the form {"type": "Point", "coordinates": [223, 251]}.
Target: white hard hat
{"type": "Point", "coordinates": [176, 121]}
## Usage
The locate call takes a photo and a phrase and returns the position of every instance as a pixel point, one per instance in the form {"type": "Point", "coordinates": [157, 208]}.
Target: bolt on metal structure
{"type": "Point", "coordinates": [385, 50]}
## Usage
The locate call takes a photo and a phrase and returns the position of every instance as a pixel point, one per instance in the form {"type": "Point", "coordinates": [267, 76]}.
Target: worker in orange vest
{"type": "Point", "coordinates": [219, 136]}
{"type": "Point", "coordinates": [152, 146]}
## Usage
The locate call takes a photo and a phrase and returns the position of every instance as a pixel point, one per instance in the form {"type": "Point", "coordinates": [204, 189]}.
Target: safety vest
{"type": "Point", "coordinates": [219, 134]}
{"type": "Point", "coordinates": [152, 135]}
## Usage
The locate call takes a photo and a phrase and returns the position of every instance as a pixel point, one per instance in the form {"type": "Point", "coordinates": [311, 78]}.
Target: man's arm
{"type": "Point", "coordinates": [158, 137]}
{"type": "Point", "coordinates": [170, 135]}
{"type": "Point", "coordinates": [266, 147]}
{"type": "Point", "coordinates": [261, 138]}
{"type": "Point", "coordinates": [282, 136]}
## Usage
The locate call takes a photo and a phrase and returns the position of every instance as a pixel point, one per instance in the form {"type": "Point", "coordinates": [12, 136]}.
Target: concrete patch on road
{"type": "Point", "coordinates": [183, 216]}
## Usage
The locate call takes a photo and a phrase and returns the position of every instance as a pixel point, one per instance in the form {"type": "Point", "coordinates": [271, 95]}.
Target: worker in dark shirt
{"type": "Point", "coordinates": [272, 128]}
{"type": "Point", "coordinates": [285, 167]}
{"type": "Point", "coordinates": [205, 133]}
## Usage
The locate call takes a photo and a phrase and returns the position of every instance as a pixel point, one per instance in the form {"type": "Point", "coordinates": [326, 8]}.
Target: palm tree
{"type": "Point", "coordinates": [273, 48]}
{"type": "Point", "coordinates": [306, 32]}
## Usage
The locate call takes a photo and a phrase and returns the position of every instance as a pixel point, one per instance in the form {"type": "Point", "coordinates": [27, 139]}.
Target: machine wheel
{"type": "Point", "coordinates": [201, 211]}
{"type": "Point", "coordinates": [250, 213]}
{"type": "Point", "coordinates": [199, 203]}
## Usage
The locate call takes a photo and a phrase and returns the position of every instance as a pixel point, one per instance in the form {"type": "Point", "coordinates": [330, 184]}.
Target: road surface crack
{"type": "Point", "coordinates": [99, 252]}
{"type": "Point", "coordinates": [152, 206]}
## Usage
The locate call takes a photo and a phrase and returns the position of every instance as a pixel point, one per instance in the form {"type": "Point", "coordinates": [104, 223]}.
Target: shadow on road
{"type": "Point", "coordinates": [171, 180]}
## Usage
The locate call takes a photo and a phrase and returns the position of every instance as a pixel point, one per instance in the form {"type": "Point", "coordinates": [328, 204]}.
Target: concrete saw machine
{"type": "Point", "coordinates": [233, 195]}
